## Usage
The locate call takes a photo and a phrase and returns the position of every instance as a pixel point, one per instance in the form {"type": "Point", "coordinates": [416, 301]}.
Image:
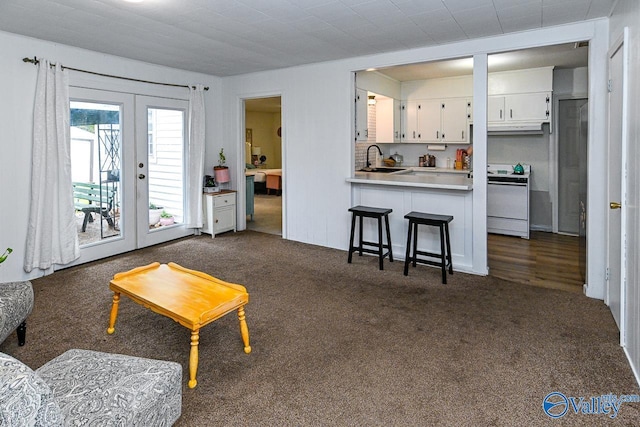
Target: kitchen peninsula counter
{"type": "Point", "coordinates": [436, 178]}
{"type": "Point", "coordinates": [442, 192]}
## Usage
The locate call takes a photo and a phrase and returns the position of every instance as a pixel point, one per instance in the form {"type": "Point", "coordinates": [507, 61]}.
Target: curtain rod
{"type": "Point", "coordinates": [37, 61]}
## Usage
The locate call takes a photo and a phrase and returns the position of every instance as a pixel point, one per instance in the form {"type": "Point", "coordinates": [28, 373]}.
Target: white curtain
{"type": "Point", "coordinates": [52, 236]}
{"type": "Point", "coordinates": [195, 170]}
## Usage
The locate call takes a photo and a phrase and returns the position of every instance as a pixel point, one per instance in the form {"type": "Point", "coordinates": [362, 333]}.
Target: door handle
{"type": "Point", "coordinates": [141, 176]}
{"type": "Point", "coordinates": [615, 205]}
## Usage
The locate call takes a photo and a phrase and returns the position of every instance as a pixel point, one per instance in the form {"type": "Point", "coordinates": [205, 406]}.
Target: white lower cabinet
{"type": "Point", "coordinates": [219, 212]}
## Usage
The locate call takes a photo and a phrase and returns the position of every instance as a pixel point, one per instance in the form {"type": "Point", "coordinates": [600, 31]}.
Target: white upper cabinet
{"type": "Point", "coordinates": [387, 119]}
{"type": "Point", "coordinates": [429, 120]}
{"type": "Point", "coordinates": [436, 120]}
{"type": "Point", "coordinates": [409, 125]}
{"type": "Point", "coordinates": [528, 107]}
{"type": "Point", "coordinates": [362, 133]}
{"type": "Point", "coordinates": [495, 109]}
{"type": "Point", "coordinates": [455, 116]}
{"type": "Point", "coordinates": [520, 97]}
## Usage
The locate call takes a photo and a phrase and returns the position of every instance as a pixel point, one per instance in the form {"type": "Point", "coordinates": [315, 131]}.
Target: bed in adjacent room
{"type": "Point", "coordinates": [260, 177]}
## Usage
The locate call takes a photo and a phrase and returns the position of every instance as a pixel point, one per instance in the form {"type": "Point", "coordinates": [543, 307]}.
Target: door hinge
{"type": "Point", "coordinates": [606, 274]}
{"type": "Point", "coordinates": [609, 85]}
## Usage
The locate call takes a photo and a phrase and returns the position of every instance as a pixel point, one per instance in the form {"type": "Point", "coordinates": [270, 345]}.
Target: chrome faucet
{"type": "Point", "coordinates": [379, 151]}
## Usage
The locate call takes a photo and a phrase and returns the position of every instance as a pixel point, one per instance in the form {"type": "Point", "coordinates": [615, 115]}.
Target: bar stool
{"type": "Point", "coordinates": [444, 257]}
{"type": "Point", "coordinates": [370, 212]}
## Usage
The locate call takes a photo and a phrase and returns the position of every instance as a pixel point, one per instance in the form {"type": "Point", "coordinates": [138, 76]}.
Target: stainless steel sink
{"type": "Point", "coordinates": [381, 170]}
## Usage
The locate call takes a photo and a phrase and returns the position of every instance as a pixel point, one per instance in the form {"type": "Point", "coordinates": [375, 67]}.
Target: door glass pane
{"type": "Point", "coordinates": [96, 147]}
{"type": "Point", "coordinates": [165, 159]}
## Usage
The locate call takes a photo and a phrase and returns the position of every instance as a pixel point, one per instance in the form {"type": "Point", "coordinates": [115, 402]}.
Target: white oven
{"type": "Point", "coordinates": [508, 203]}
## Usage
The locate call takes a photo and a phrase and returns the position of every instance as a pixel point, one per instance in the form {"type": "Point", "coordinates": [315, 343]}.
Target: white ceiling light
{"type": "Point", "coordinates": [134, 1]}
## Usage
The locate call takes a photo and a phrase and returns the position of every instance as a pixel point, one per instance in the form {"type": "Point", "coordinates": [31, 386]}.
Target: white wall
{"type": "Point", "coordinates": [627, 14]}
{"type": "Point", "coordinates": [17, 86]}
{"type": "Point", "coordinates": [317, 122]}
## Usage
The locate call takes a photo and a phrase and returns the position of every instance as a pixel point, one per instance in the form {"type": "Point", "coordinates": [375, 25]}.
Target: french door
{"type": "Point", "coordinates": [160, 169]}
{"type": "Point", "coordinates": [127, 156]}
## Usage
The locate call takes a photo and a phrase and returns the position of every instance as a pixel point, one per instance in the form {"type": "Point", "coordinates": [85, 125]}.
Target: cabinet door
{"type": "Point", "coordinates": [361, 115]}
{"type": "Point", "coordinates": [495, 109]}
{"type": "Point", "coordinates": [384, 120]}
{"type": "Point", "coordinates": [397, 120]}
{"type": "Point", "coordinates": [528, 106]}
{"type": "Point", "coordinates": [454, 120]}
{"type": "Point", "coordinates": [429, 123]}
{"type": "Point", "coordinates": [409, 121]}
{"type": "Point", "coordinates": [224, 219]}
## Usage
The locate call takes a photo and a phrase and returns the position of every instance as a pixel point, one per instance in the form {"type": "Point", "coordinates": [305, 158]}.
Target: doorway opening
{"type": "Point", "coordinates": [263, 164]}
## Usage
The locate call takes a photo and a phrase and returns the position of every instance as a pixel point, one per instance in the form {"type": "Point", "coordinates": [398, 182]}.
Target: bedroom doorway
{"type": "Point", "coordinates": [263, 161]}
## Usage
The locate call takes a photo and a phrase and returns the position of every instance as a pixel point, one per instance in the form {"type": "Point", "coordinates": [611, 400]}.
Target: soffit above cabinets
{"type": "Point", "coordinates": [568, 55]}
{"type": "Point", "coordinates": [232, 37]}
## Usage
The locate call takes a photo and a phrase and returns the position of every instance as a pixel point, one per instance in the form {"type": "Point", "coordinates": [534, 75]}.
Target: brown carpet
{"type": "Point", "coordinates": [339, 344]}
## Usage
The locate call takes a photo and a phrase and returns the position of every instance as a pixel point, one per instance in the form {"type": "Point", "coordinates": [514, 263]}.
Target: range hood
{"type": "Point", "coordinates": [515, 128]}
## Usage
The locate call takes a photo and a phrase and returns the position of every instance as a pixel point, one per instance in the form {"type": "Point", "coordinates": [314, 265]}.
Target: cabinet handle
{"type": "Point", "coordinates": [414, 134]}
{"type": "Point", "coordinates": [437, 135]}
{"type": "Point", "coordinates": [462, 134]}
{"type": "Point", "coordinates": [511, 113]}
{"type": "Point", "coordinates": [443, 136]}
{"type": "Point", "coordinates": [501, 113]}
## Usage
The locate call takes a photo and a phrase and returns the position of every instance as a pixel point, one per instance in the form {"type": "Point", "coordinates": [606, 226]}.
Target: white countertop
{"type": "Point", "coordinates": [447, 179]}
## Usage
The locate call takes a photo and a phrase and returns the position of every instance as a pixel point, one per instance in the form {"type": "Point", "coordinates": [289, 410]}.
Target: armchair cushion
{"type": "Point", "coordinates": [94, 388]}
{"type": "Point", "coordinates": [25, 399]}
{"type": "Point", "coordinates": [16, 303]}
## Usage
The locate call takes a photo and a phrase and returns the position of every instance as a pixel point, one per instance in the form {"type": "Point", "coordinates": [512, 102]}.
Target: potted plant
{"type": "Point", "coordinates": [154, 213]}
{"type": "Point", "coordinates": [166, 218]}
{"type": "Point", "coordinates": [5, 255]}
{"type": "Point", "coordinates": [221, 171]}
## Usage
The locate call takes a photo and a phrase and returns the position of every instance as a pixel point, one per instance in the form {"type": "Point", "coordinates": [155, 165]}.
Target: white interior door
{"type": "Point", "coordinates": [616, 173]}
{"type": "Point", "coordinates": [570, 147]}
{"type": "Point", "coordinates": [161, 156]}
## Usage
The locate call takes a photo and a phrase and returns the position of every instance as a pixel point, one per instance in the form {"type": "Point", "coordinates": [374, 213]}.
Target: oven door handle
{"type": "Point", "coordinates": [514, 184]}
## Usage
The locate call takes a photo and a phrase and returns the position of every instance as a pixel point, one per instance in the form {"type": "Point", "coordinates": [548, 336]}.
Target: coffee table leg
{"type": "Point", "coordinates": [244, 330]}
{"type": "Point", "coordinates": [193, 358]}
{"type": "Point", "coordinates": [114, 312]}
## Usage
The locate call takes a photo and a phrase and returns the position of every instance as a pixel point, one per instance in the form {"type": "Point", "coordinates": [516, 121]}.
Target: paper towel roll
{"type": "Point", "coordinates": [436, 147]}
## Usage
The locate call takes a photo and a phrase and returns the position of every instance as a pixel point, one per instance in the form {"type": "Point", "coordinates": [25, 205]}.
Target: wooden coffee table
{"type": "Point", "coordinates": [189, 297]}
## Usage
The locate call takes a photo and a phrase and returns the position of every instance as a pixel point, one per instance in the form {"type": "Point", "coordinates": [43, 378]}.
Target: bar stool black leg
{"type": "Point", "coordinates": [443, 257]}
{"type": "Point", "coordinates": [381, 245]}
{"type": "Point", "coordinates": [386, 219]}
{"type": "Point", "coordinates": [407, 257]}
{"type": "Point", "coordinates": [360, 233]}
{"type": "Point", "coordinates": [415, 243]}
{"type": "Point", "coordinates": [446, 228]}
{"type": "Point", "coordinates": [353, 229]}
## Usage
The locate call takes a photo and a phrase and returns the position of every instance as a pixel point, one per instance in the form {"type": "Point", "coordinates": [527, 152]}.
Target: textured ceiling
{"type": "Point", "coordinates": [230, 37]}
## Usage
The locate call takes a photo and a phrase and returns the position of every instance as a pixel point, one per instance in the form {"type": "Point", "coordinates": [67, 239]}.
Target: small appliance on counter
{"type": "Point", "coordinates": [397, 158]}
{"type": "Point", "coordinates": [518, 169]}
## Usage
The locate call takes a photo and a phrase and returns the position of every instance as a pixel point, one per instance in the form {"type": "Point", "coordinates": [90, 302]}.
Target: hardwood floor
{"type": "Point", "coordinates": [547, 260]}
